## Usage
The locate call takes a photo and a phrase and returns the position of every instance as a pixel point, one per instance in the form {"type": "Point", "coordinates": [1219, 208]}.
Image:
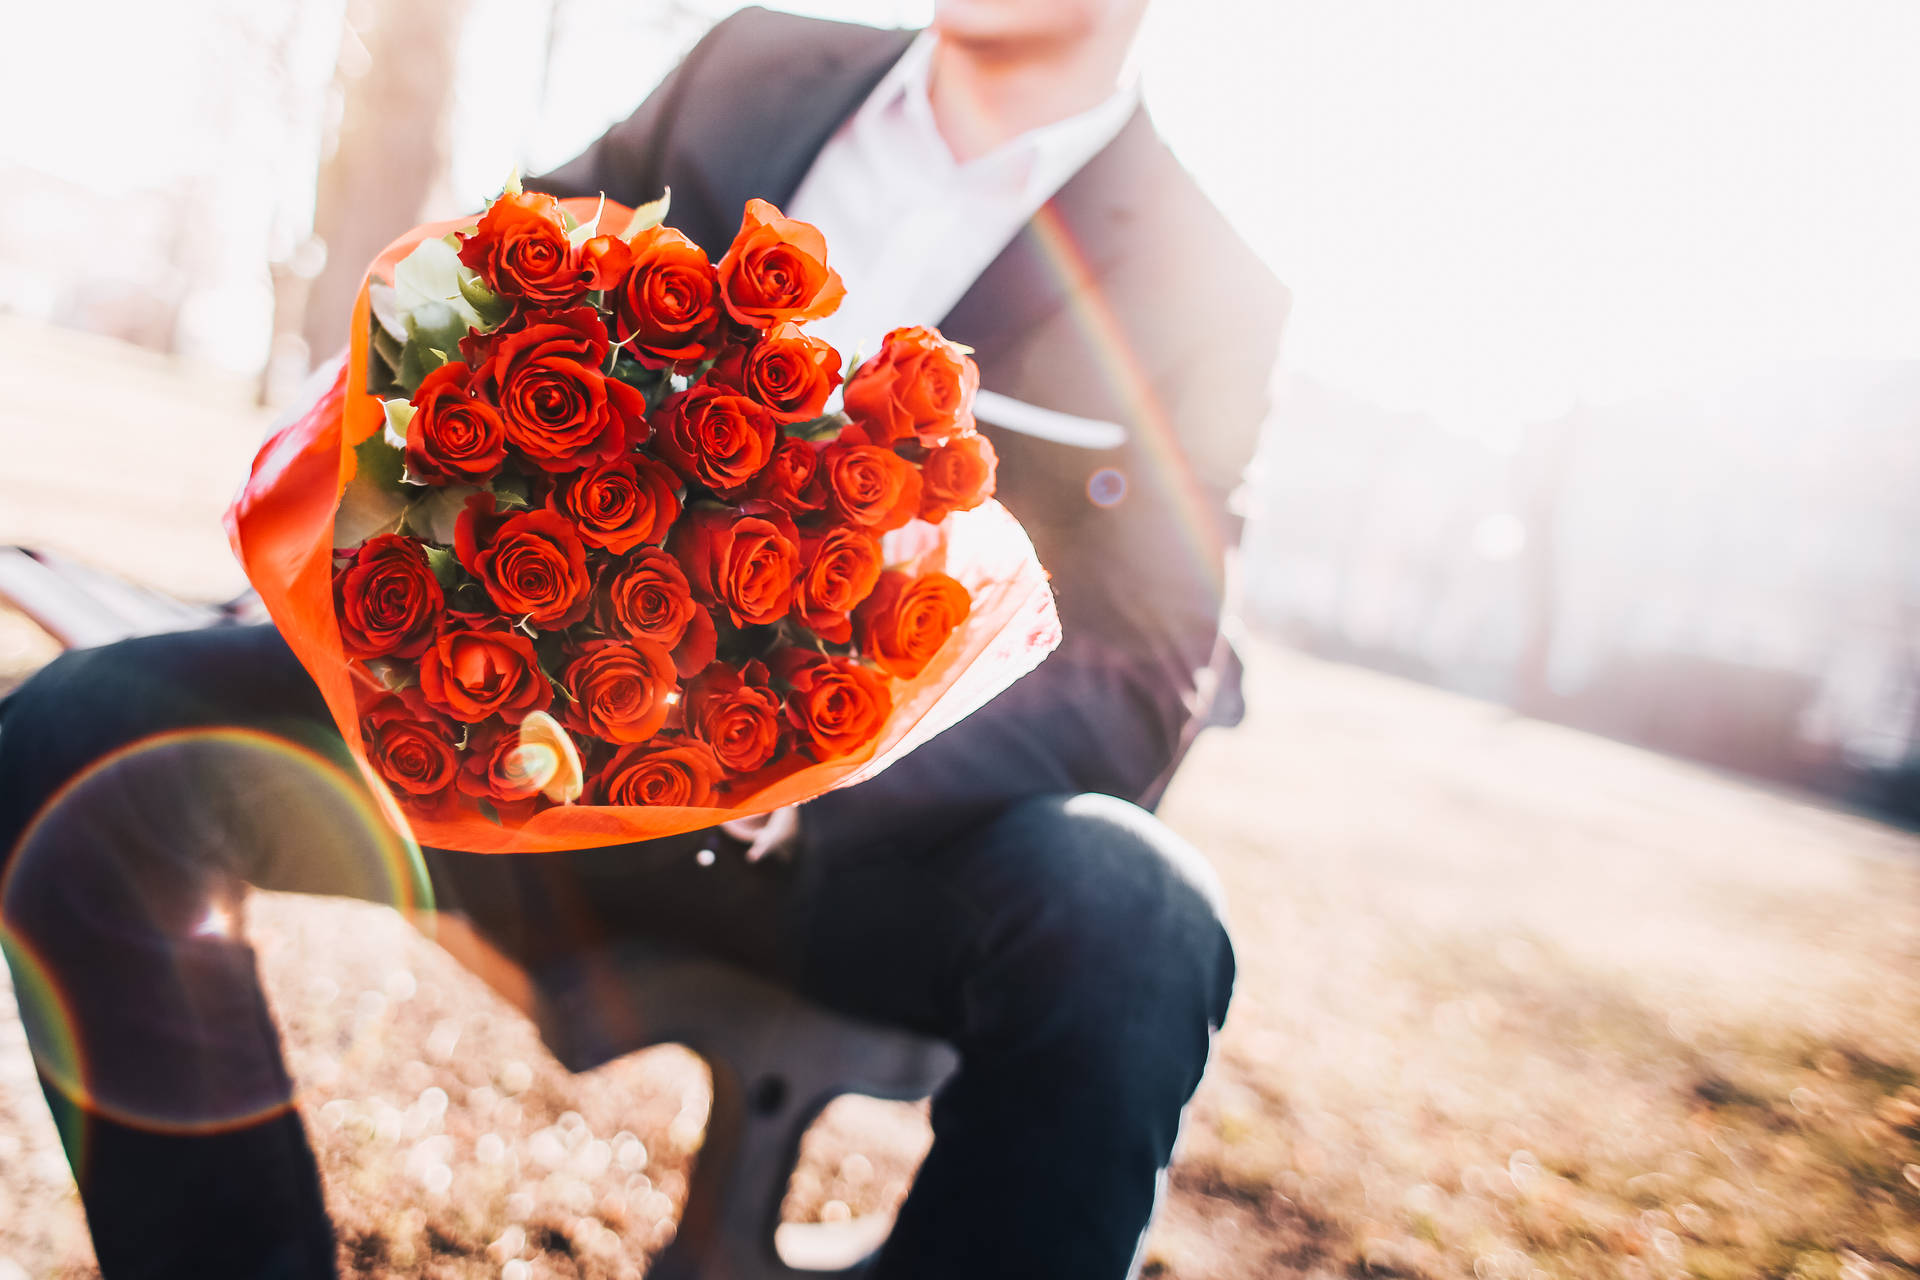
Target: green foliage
{"type": "Point", "coordinates": [375, 499]}
{"type": "Point", "coordinates": [649, 215]}
{"type": "Point", "coordinates": [819, 430]}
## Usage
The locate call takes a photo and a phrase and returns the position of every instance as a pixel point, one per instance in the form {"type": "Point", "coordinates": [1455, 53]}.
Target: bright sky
{"type": "Point", "coordinates": [1484, 207]}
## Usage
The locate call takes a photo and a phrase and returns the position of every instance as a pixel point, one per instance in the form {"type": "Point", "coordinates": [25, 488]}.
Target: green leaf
{"type": "Point", "coordinates": [445, 566]}
{"type": "Point", "coordinates": [431, 274]}
{"type": "Point", "coordinates": [381, 375]}
{"type": "Point", "coordinates": [393, 675]}
{"type": "Point", "coordinates": [368, 508]}
{"type": "Point", "coordinates": [383, 300]}
{"type": "Point", "coordinates": [649, 215]}
{"type": "Point", "coordinates": [513, 187]}
{"type": "Point", "coordinates": [434, 516]}
{"type": "Point", "coordinates": [511, 491]}
{"type": "Point", "coordinates": [399, 417]}
{"type": "Point", "coordinates": [488, 305]}
{"type": "Point", "coordinates": [818, 430]}
{"type": "Point", "coordinates": [488, 812]}
{"type": "Point", "coordinates": [587, 230]}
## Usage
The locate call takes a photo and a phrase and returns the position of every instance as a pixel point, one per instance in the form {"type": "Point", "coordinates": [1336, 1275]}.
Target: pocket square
{"type": "Point", "coordinates": [1047, 424]}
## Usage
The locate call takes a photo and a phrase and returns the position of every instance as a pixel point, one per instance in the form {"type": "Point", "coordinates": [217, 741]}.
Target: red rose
{"type": "Point", "coordinates": [493, 769]}
{"type": "Point", "coordinates": [958, 476]}
{"type": "Point", "coordinates": [737, 714]}
{"type": "Point", "coordinates": [785, 371]}
{"type": "Point", "coordinates": [606, 260]}
{"type": "Point", "coordinates": [649, 599]}
{"type": "Point", "coordinates": [521, 251]}
{"type": "Point", "coordinates": [473, 674]}
{"type": "Point", "coordinates": [842, 566]}
{"type": "Point", "coordinates": [906, 620]}
{"type": "Point", "coordinates": [835, 705]}
{"type": "Point", "coordinates": [869, 485]}
{"type": "Point", "coordinates": [791, 479]}
{"type": "Point", "coordinates": [682, 773]}
{"type": "Point", "coordinates": [412, 748]}
{"type": "Point", "coordinates": [531, 562]}
{"type": "Point", "coordinates": [918, 385]}
{"type": "Point", "coordinates": [618, 504]}
{"type": "Point", "coordinates": [453, 438]}
{"type": "Point", "coordinates": [716, 438]}
{"type": "Point", "coordinates": [560, 412]}
{"type": "Point", "coordinates": [386, 598]}
{"type": "Point", "coordinates": [776, 269]}
{"type": "Point", "coordinates": [746, 560]}
{"type": "Point", "coordinates": [620, 690]}
{"type": "Point", "coordinates": [664, 309]}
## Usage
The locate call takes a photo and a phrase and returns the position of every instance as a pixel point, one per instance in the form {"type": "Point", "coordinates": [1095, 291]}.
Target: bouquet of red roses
{"type": "Point", "coordinates": [579, 552]}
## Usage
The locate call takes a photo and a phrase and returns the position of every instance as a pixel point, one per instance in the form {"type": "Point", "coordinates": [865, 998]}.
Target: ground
{"type": "Point", "coordinates": [1514, 1001]}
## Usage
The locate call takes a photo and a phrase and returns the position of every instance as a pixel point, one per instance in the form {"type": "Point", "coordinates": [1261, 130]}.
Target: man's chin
{"type": "Point", "coordinates": [1008, 30]}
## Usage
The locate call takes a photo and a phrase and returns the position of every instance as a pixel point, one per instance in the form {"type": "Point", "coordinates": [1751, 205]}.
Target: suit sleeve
{"type": "Point", "coordinates": [1080, 722]}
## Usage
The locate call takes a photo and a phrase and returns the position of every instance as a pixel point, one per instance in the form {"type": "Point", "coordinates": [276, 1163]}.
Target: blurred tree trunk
{"type": "Point", "coordinates": [395, 79]}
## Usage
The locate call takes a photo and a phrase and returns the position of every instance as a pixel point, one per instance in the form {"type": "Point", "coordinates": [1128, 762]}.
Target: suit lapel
{"type": "Point", "coordinates": [810, 93]}
{"type": "Point", "coordinates": [1065, 248]}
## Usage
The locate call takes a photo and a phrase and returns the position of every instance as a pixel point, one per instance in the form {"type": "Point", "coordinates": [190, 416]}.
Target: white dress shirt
{"type": "Point", "coordinates": [908, 227]}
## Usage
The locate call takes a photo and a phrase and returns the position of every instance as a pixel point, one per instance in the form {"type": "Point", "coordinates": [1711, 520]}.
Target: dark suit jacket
{"type": "Point", "coordinates": [1128, 299]}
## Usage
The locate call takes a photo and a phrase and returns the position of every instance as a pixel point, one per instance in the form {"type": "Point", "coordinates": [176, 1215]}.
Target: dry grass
{"type": "Point", "coordinates": [1513, 1002]}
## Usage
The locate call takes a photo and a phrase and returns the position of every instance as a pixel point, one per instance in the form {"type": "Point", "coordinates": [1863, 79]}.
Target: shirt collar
{"type": "Point", "coordinates": [1045, 156]}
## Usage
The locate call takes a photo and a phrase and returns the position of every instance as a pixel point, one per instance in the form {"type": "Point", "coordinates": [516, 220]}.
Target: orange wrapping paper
{"type": "Point", "coordinates": [281, 528]}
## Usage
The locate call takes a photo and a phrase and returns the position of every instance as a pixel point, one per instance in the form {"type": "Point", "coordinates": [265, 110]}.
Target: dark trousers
{"type": "Point", "coordinates": [1071, 948]}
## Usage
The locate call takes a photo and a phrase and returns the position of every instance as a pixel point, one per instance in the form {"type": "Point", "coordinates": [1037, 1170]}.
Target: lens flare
{"type": "Point", "coordinates": [1202, 533]}
{"type": "Point", "coordinates": [121, 909]}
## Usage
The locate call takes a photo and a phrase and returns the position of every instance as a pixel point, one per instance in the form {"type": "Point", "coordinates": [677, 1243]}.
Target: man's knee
{"type": "Point", "coordinates": [1113, 929]}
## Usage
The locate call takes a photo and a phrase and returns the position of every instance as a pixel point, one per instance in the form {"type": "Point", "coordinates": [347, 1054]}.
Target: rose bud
{"type": "Point", "coordinates": [386, 598]}
{"type": "Point", "coordinates": [958, 476]}
{"type": "Point", "coordinates": [746, 560]}
{"type": "Point", "coordinates": [791, 480]}
{"type": "Point", "coordinates": [919, 385]}
{"type": "Point", "coordinates": [606, 260]}
{"type": "Point", "coordinates": [620, 690]}
{"type": "Point", "coordinates": [664, 308]}
{"type": "Point", "coordinates": [413, 749]}
{"type": "Point", "coordinates": [650, 599]}
{"type": "Point", "coordinates": [453, 438]}
{"type": "Point", "coordinates": [681, 773]}
{"type": "Point", "coordinates": [737, 714]}
{"type": "Point", "coordinates": [868, 485]}
{"type": "Point", "coordinates": [776, 270]}
{"type": "Point", "coordinates": [559, 411]}
{"type": "Point", "coordinates": [473, 674]}
{"type": "Point", "coordinates": [532, 563]}
{"type": "Point", "coordinates": [906, 620]}
{"type": "Point", "coordinates": [786, 372]}
{"type": "Point", "coordinates": [521, 251]}
{"type": "Point", "coordinates": [842, 566]}
{"type": "Point", "coordinates": [715, 438]}
{"type": "Point", "coordinates": [618, 504]}
{"type": "Point", "coordinates": [835, 705]}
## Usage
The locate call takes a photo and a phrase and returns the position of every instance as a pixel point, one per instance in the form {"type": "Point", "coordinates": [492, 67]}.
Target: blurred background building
{"type": "Point", "coordinates": [1603, 390]}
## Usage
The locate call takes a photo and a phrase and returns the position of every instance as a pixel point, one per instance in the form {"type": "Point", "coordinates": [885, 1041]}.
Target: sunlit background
{"type": "Point", "coordinates": [1600, 404]}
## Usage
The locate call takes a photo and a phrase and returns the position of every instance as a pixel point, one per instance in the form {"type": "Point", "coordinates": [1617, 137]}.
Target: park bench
{"type": "Point", "coordinates": [775, 1059]}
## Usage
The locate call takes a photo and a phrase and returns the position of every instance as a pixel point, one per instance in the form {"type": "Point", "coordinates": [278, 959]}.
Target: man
{"type": "Point", "coordinates": [1001, 887]}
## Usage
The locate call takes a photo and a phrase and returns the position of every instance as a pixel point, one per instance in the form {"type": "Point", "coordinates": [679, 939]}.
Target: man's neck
{"type": "Point", "coordinates": [983, 98]}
